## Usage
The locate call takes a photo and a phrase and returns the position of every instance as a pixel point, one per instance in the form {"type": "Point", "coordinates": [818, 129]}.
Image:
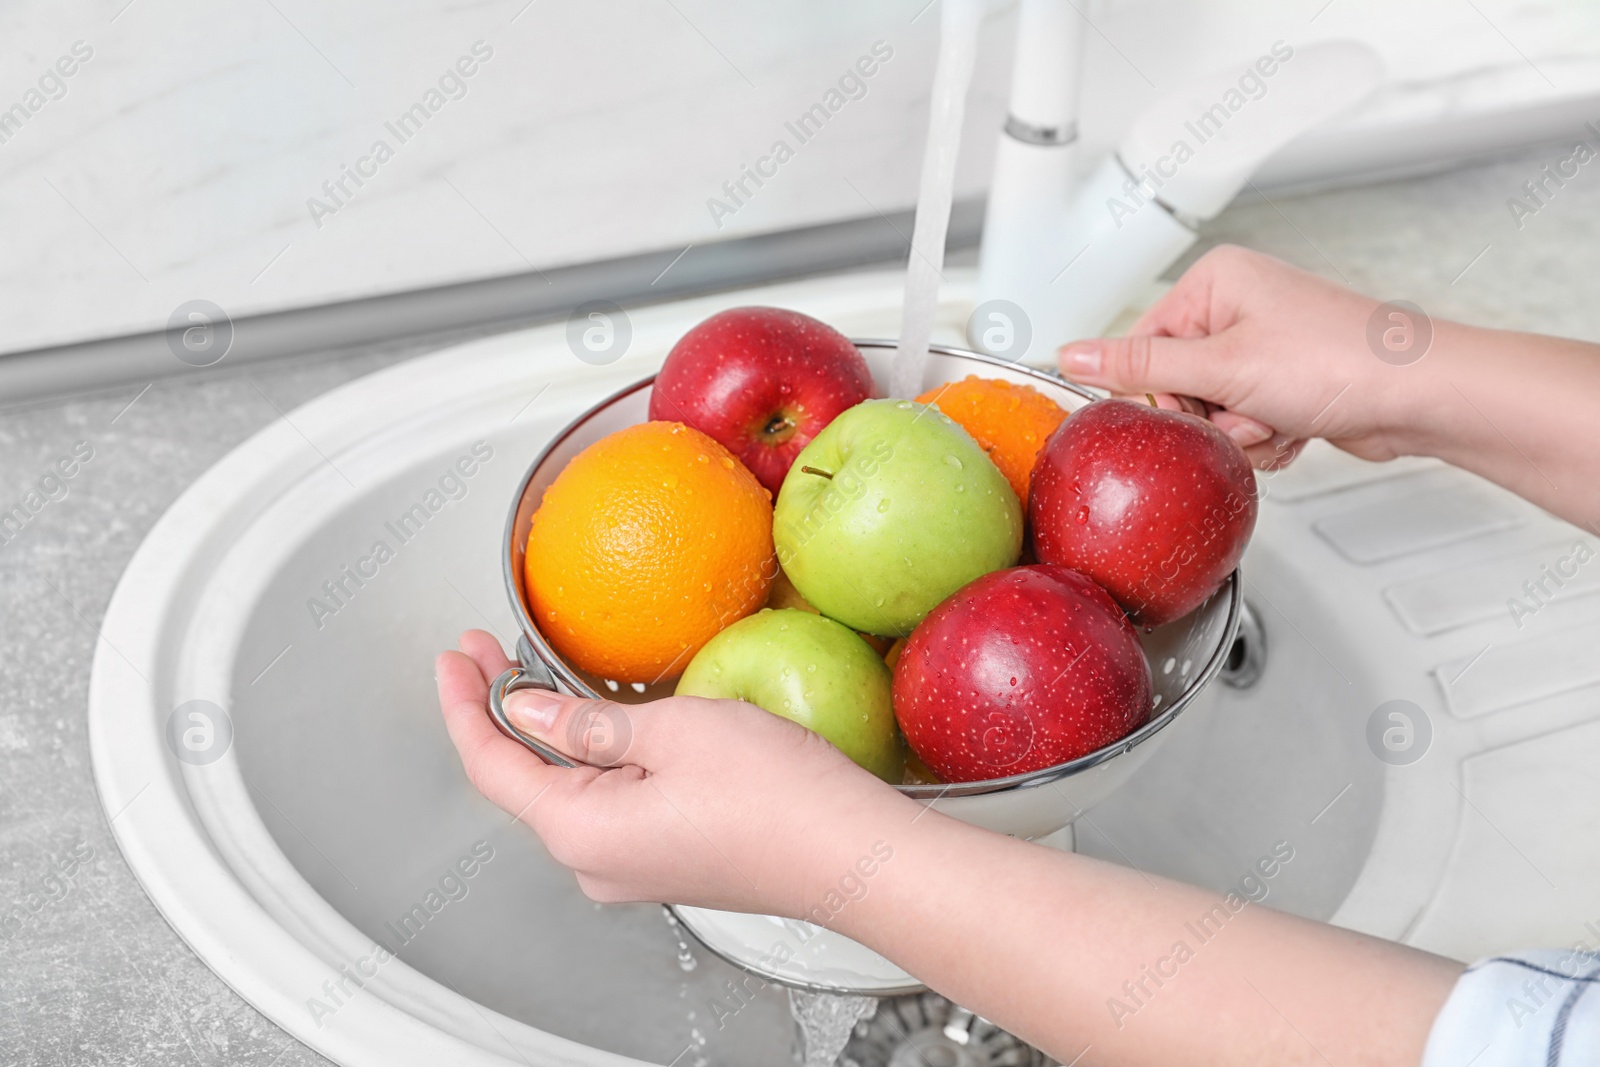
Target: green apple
{"type": "Point", "coordinates": [890, 509]}
{"type": "Point", "coordinates": [811, 670]}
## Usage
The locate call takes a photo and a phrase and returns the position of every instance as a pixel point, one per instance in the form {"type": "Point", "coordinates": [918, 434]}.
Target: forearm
{"type": "Point", "coordinates": [1519, 409]}
{"type": "Point", "coordinates": [1061, 950]}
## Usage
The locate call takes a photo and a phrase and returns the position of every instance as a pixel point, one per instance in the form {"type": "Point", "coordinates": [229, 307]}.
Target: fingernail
{"type": "Point", "coordinates": [1081, 358]}
{"type": "Point", "coordinates": [1246, 434]}
{"type": "Point", "coordinates": [532, 710]}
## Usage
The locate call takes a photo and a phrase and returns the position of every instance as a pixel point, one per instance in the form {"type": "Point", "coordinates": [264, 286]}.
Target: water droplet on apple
{"type": "Point", "coordinates": [1082, 516]}
{"type": "Point", "coordinates": [954, 461]}
{"type": "Point", "coordinates": [878, 602]}
{"type": "Point", "coordinates": [961, 488]}
{"type": "Point", "coordinates": [883, 506]}
{"type": "Point", "coordinates": [904, 405]}
{"type": "Point", "coordinates": [811, 668]}
{"type": "Point", "coordinates": [1013, 681]}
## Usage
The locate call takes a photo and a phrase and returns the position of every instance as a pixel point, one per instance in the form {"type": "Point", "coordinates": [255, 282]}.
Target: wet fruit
{"type": "Point", "coordinates": [1155, 505]}
{"type": "Point", "coordinates": [649, 542]}
{"type": "Point", "coordinates": [1023, 669]}
{"type": "Point", "coordinates": [1010, 422]}
{"type": "Point", "coordinates": [889, 510]}
{"type": "Point", "coordinates": [811, 670]}
{"type": "Point", "coordinates": [784, 595]}
{"type": "Point", "coordinates": [763, 381]}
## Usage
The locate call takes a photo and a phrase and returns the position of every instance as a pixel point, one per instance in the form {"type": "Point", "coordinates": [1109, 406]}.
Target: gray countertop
{"type": "Point", "coordinates": [89, 971]}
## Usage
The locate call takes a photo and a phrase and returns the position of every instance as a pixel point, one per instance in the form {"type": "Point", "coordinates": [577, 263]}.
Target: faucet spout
{"type": "Point", "coordinates": [1033, 178]}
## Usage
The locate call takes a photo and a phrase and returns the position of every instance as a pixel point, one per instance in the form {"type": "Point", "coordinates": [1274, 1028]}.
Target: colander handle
{"type": "Point", "coordinates": [510, 681]}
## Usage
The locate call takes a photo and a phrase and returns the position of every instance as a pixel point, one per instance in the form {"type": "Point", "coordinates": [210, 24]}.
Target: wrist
{"type": "Point", "coordinates": [1426, 418]}
{"type": "Point", "coordinates": [847, 857]}
{"type": "Point", "coordinates": [920, 853]}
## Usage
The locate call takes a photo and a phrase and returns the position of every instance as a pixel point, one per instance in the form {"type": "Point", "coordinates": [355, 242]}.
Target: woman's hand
{"type": "Point", "coordinates": [713, 803]}
{"type": "Point", "coordinates": [1275, 355]}
{"type": "Point", "coordinates": [719, 804]}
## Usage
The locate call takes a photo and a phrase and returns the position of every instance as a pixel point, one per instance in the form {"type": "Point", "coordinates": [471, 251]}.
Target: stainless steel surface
{"type": "Point", "coordinates": [510, 681]}
{"type": "Point", "coordinates": [1045, 135]}
{"type": "Point", "coordinates": [926, 1030]}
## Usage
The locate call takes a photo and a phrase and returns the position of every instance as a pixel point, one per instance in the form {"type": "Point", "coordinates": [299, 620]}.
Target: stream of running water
{"type": "Point", "coordinates": [826, 1023]}
{"type": "Point", "coordinates": [958, 45]}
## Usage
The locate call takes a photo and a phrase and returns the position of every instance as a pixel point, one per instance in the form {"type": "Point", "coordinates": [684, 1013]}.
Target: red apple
{"type": "Point", "coordinates": [762, 382]}
{"type": "Point", "coordinates": [1154, 505]}
{"type": "Point", "coordinates": [1019, 670]}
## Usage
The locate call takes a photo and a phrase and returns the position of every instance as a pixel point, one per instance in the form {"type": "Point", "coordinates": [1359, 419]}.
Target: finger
{"type": "Point", "coordinates": [503, 770]}
{"type": "Point", "coordinates": [1170, 402]}
{"type": "Point", "coordinates": [599, 733]}
{"type": "Point", "coordinates": [604, 733]}
{"type": "Point", "coordinates": [1139, 365]}
{"type": "Point", "coordinates": [1244, 430]}
{"type": "Point", "coordinates": [1275, 454]}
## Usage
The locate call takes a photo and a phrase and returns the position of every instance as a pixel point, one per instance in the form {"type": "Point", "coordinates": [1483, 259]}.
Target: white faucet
{"type": "Point", "coordinates": [1035, 173]}
{"type": "Point", "coordinates": [1061, 257]}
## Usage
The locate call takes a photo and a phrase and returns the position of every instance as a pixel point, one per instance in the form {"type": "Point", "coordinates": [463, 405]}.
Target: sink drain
{"type": "Point", "coordinates": [1247, 656]}
{"type": "Point", "coordinates": [926, 1030]}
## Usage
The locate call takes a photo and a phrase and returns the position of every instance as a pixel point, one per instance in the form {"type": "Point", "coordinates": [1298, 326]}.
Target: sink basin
{"type": "Point", "coordinates": [329, 860]}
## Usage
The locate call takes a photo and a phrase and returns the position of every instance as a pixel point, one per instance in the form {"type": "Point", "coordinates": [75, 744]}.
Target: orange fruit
{"type": "Point", "coordinates": [648, 542]}
{"type": "Point", "coordinates": [1010, 422]}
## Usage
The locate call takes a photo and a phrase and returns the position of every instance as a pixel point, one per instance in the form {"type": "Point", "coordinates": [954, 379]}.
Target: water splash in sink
{"type": "Point", "coordinates": [686, 958]}
{"type": "Point", "coordinates": [826, 1023]}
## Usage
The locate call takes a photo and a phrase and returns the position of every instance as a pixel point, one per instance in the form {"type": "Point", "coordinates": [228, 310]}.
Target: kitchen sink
{"type": "Point", "coordinates": [295, 596]}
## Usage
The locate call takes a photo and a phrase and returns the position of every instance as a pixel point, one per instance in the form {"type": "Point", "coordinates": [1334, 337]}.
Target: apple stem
{"type": "Point", "coordinates": [1152, 398]}
{"type": "Point", "coordinates": [814, 470]}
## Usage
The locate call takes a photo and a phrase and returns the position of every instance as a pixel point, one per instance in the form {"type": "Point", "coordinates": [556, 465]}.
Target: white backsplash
{"type": "Point", "coordinates": [183, 159]}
